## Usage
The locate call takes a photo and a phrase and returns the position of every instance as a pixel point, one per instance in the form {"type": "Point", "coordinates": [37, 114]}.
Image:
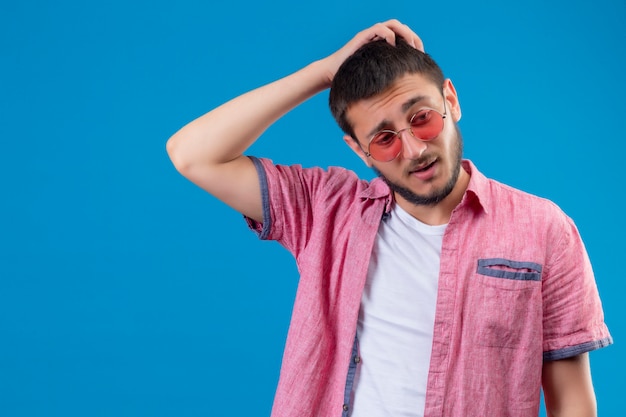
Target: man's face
{"type": "Point", "coordinates": [424, 172]}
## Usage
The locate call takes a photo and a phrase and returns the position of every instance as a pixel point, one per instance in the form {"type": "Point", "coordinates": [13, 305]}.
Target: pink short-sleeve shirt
{"type": "Point", "coordinates": [516, 289]}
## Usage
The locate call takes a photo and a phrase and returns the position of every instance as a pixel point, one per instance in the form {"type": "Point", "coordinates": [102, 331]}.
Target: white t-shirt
{"type": "Point", "coordinates": [396, 320]}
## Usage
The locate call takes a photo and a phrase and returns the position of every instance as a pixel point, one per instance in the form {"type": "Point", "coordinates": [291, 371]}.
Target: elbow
{"type": "Point", "coordinates": [176, 156]}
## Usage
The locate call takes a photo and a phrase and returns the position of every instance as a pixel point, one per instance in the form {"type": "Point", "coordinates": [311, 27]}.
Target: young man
{"type": "Point", "coordinates": [430, 291]}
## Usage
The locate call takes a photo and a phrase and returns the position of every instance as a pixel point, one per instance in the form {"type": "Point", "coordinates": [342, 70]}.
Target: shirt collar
{"type": "Point", "coordinates": [378, 189]}
{"type": "Point", "coordinates": [477, 191]}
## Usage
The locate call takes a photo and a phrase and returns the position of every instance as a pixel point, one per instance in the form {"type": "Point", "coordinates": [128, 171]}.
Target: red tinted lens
{"type": "Point", "coordinates": [426, 124]}
{"type": "Point", "coordinates": [385, 146]}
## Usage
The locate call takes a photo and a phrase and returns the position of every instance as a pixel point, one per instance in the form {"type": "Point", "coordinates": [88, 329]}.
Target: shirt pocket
{"type": "Point", "coordinates": [509, 270]}
{"type": "Point", "coordinates": [506, 305]}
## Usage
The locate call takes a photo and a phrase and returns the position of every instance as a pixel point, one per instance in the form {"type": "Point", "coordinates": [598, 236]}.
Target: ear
{"type": "Point", "coordinates": [454, 107]}
{"type": "Point", "coordinates": [356, 147]}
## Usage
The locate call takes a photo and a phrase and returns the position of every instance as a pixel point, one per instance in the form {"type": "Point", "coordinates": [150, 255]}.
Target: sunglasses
{"type": "Point", "coordinates": [424, 125]}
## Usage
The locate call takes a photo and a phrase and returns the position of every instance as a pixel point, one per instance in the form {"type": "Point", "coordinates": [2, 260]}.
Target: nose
{"type": "Point", "coordinates": [412, 148]}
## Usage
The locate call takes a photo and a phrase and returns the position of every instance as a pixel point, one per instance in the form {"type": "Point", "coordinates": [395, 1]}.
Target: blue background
{"type": "Point", "coordinates": [127, 291]}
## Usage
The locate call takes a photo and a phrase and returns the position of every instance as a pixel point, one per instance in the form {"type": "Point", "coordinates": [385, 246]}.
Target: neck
{"type": "Point", "coordinates": [439, 213]}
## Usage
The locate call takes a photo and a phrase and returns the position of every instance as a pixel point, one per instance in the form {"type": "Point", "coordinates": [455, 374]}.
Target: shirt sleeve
{"type": "Point", "coordinates": [294, 198]}
{"type": "Point", "coordinates": [573, 319]}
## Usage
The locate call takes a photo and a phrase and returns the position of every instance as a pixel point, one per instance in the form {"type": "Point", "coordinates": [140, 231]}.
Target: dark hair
{"type": "Point", "coordinates": [372, 69]}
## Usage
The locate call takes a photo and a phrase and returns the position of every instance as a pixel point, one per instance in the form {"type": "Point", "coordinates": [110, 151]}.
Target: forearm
{"type": "Point", "coordinates": [577, 412]}
{"type": "Point", "coordinates": [568, 389]}
{"type": "Point", "coordinates": [584, 406]}
{"type": "Point", "coordinates": [226, 132]}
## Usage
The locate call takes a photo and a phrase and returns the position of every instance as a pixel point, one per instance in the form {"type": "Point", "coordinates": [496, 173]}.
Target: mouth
{"type": "Point", "coordinates": [425, 171]}
{"type": "Point", "coordinates": [423, 167]}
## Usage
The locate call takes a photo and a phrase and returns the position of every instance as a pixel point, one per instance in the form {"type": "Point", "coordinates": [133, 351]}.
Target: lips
{"type": "Point", "coordinates": [425, 171]}
{"type": "Point", "coordinates": [423, 167]}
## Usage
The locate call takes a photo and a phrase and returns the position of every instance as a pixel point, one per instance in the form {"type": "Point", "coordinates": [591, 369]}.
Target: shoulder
{"type": "Point", "coordinates": [523, 200]}
{"type": "Point", "coordinates": [497, 197]}
{"type": "Point", "coordinates": [518, 209]}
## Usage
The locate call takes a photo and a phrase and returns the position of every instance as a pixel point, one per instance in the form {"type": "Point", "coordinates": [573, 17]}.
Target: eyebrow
{"type": "Point", "coordinates": [405, 106]}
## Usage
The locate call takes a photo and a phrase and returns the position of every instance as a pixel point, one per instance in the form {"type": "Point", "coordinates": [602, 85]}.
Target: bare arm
{"type": "Point", "coordinates": [209, 150]}
{"type": "Point", "coordinates": [568, 389]}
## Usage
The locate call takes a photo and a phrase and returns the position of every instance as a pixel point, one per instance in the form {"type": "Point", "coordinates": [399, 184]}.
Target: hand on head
{"type": "Point", "coordinates": [386, 30]}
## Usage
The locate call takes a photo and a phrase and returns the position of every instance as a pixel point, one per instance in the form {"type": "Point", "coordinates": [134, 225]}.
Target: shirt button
{"type": "Point", "coordinates": [345, 407]}
{"type": "Point", "coordinates": [357, 359]}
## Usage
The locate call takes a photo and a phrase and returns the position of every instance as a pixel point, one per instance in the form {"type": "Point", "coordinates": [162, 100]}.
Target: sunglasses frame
{"type": "Point", "coordinates": [397, 134]}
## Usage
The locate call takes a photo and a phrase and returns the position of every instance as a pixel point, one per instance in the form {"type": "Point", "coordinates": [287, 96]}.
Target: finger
{"type": "Point", "coordinates": [381, 31]}
{"type": "Point", "coordinates": [388, 31]}
{"type": "Point", "coordinates": [398, 28]}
